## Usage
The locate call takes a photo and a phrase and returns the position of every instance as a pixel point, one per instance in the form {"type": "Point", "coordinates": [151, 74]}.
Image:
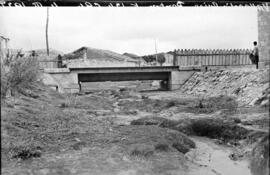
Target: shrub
{"type": "Point", "coordinates": [212, 104]}
{"type": "Point", "coordinates": [26, 153]}
{"type": "Point", "coordinates": [18, 74]}
{"type": "Point", "coordinates": [162, 147]}
{"type": "Point", "coordinates": [181, 147]}
{"type": "Point", "coordinates": [171, 104]}
{"type": "Point", "coordinates": [161, 59]}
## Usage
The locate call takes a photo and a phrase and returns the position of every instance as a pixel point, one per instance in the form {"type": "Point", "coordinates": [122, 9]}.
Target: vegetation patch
{"type": "Point", "coordinates": [152, 136]}
{"type": "Point", "coordinates": [25, 154]}
{"type": "Point", "coordinates": [216, 128]}
{"type": "Point", "coordinates": [259, 164]}
{"type": "Point", "coordinates": [142, 150]}
{"type": "Point", "coordinates": [181, 148]}
{"type": "Point", "coordinates": [25, 151]}
{"type": "Point", "coordinates": [18, 74]}
{"type": "Point", "coordinates": [213, 104]}
{"type": "Point", "coordinates": [162, 147]}
{"type": "Point", "coordinates": [200, 105]}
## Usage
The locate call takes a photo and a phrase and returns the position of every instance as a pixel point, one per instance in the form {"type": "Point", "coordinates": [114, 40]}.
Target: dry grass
{"type": "Point", "coordinates": [206, 105]}
{"type": "Point", "coordinates": [32, 127]}
{"type": "Point", "coordinates": [213, 104]}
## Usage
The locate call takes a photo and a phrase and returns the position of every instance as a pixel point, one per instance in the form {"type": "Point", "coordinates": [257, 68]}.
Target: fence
{"type": "Point", "coordinates": [220, 57]}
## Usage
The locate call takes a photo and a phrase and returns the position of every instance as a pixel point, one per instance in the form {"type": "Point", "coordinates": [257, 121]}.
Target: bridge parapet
{"type": "Point", "coordinates": [56, 70]}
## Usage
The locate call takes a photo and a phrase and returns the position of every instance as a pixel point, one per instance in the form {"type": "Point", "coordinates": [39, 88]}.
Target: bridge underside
{"type": "Point", "coordinates": [131, 76]}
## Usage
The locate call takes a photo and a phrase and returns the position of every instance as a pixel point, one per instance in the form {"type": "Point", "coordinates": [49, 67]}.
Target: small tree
{"type": "Point", "coordinates": [149, 58]}
{"type": "Point", "coordinates": [161, 59]}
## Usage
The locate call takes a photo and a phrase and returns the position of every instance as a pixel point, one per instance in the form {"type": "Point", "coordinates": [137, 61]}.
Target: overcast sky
{"type": "Point", "coordinates": [130, 29]}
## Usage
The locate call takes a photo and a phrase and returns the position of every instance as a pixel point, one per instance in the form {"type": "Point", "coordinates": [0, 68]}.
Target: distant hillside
{"type": "Point", "coordinates": [131, 55]}
{"type": "Point", "coordinates": [98, 54]}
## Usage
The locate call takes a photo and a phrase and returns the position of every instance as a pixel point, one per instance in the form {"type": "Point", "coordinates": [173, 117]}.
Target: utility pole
{"type": "Point", "coordinates": [156, 49]}
{"type": "Point", "coordinates": [47, 25]}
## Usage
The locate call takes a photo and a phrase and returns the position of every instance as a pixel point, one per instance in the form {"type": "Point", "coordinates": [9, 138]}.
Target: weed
{"type": "Point", "coordinates": [171, 104]}
{"type": "Point", "coordinates": [26, 152]}
{"type": "Point", "coordinates": [162, 147]}
{"type": "Point", "coordinates": [180, 147]}
{"type": "Point", "coordinates": [142, 151]}
{"type": "Point", "coordinates": [212, 104]}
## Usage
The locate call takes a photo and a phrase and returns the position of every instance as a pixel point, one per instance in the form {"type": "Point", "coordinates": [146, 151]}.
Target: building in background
{"type": "Point", "coordinates": [169, 59]}
{"type": "Point", "coordinates": [4, 47]}
{"type": "Point", "coordinates": [264, 38]}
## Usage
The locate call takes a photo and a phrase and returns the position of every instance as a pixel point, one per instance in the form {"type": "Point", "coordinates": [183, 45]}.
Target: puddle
{"type": "Point", "coordinates": [215, 159]}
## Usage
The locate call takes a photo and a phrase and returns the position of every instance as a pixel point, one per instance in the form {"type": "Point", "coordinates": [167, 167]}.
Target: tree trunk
{"type": "Point", "coordinates": [47, 25]}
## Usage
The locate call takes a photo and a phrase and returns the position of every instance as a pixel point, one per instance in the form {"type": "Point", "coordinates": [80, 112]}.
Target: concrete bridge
{"type": "Point", "coordinates": [70, 79]}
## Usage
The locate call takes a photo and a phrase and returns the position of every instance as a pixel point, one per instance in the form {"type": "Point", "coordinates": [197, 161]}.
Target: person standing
{"type": "Point", "coordinates": [59, 61]}
{"type": "Point", "coordinates": [255, 54]}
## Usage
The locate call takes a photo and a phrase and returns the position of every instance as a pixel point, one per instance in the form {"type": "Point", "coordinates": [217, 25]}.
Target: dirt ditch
{"type": "Point", "coordinates": [126, 132]}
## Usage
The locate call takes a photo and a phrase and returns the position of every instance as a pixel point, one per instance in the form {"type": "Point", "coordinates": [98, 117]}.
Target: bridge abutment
{"type": "Point", "coordinates": [178, 78]}
{"type": "Point", "coordinates": [64, 80]}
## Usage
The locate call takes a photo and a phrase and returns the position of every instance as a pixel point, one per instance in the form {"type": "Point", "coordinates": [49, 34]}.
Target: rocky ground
{"type": "Point", "coordinates": [250, 86]}
{"type": "Point", "coordinates": [126, 132]}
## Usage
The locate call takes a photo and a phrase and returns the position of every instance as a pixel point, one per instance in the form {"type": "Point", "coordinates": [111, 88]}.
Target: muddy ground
{"type": "Point", "coordinates": [126, 132]}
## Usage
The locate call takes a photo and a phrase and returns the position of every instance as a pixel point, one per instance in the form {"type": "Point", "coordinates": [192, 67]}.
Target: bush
{"type": "Point", "coordinates": [18, 74]}
{"type": "Point", "coordinates": [26, 153]}
{"type": "Point", "coordinates": [212, 104]}
{"type": "Point", "coordinates": [161, 59]}
{"type": "Point", "coordinates": [162, 147]}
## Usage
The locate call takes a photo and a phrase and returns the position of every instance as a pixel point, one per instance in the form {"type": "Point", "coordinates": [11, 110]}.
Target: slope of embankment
{"type": "Point", "coordinates": [249, 86]}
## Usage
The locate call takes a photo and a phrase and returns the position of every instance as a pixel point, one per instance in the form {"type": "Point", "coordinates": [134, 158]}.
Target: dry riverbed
{"type": "Point", "coordinates": [124, 132]}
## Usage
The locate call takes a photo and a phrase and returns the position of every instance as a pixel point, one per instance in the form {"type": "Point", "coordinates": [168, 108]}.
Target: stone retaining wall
{"type": "Point", "coordinates": [264, 37]}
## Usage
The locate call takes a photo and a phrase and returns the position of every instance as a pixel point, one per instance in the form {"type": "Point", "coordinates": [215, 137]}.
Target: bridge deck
{"type": "Point", "coordinates": [123, 69]}
{"type": "Point", "coordinates": [119, 69]}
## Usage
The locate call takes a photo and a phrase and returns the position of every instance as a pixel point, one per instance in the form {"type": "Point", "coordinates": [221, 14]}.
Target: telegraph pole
{"type": "Point", "coordinates": [156, 49]}
{"type": "Point", "coordinates": [47, 25]}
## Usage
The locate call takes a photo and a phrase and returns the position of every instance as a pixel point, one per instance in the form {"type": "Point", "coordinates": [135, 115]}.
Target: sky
{"type": "Point", "coordinates": [130, 29]}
